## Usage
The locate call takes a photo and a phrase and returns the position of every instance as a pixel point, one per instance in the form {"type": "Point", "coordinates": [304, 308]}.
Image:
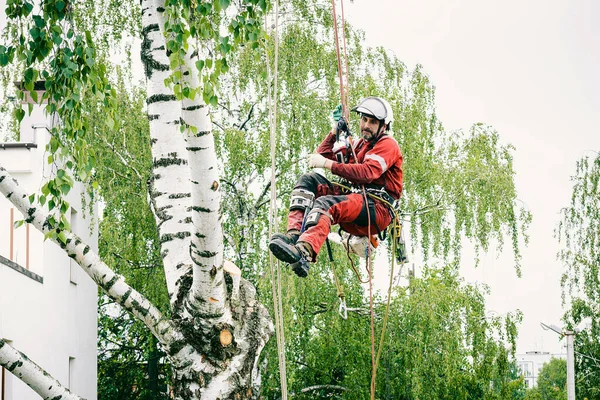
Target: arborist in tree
{"type": "Point", "coordinates": [377, 166]}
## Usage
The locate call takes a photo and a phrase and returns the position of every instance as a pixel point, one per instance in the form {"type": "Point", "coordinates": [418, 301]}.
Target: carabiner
{"type": "Point", "coordinates": [343, 311]}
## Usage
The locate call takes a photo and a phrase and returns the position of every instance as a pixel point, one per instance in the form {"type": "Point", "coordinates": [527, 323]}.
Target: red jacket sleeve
{"type": "Point", "coordinates": [326, 147]}
{"type": "Point", "coordinates": [375, 163]}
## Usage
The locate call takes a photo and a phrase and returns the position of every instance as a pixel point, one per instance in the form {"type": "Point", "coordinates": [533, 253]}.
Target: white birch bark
{"type": "Point", "coordinates": [170, 188]}
{"type": "Point", "coordinates": [33, 375]}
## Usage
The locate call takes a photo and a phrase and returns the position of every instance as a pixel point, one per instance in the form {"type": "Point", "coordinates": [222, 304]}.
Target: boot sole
{"type": "Point", "coordinates": [282, 253]}
{"type": "Point", "coordinates": [300, 268]}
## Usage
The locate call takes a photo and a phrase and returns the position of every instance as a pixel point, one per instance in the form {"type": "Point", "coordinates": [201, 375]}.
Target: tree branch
{"type": "Point", "coordinates": [114, 285]}
{"type": "Point", "coordinates": [247, 118]}
{"type": "Point", "coordinates": [32, 374]}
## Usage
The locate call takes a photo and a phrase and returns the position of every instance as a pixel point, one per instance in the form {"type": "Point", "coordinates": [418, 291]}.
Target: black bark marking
{"type": "Point", "coordinates": [196, 148]}
{"type": "Point", "coordinates": [30, 215]}
{"type": "Point", "coordinates": [138, 307]}
{"type": "Point", "coordinates": [126, 296]}
{"type": "Point", "coordinates": [199, 209]}
{"type": "Point", "coordinates": [152, 117]}
{"type": "Point", "coordinates": [15, 365]}
{"type": "Point", "coordinates": [167, 237]}
{"type": "Point", "coordinates": [155, 98]}
{"type": "Point", "coordinates": [206, 253]}
{"type": "Point", "coordinates": [166, 162]}
{"type": "Point", "coordinates": [179, 195]}
{"type": "Point", "coordinates": [108, 285]}
{"type": "Point", "coordinates": [183, 284]}
{"type": "Point", "coordinates": [86, 249]}
{"type": "Point", "coordinates": [203, 133]}
{"type": "Point", "coordinates": [8, 195]}
{"type": "Point", "coordinates": [199, 235]}
{"type": "Point", "coordinates": [192, 108]}
{"type": "Point", "coordinates": [150, 63]}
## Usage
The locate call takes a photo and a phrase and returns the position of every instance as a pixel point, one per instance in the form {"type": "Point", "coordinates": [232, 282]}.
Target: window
{"type": "Point", "coordinates": [18, 241]}
{"type": "Point", "coordinates": [71, 373]}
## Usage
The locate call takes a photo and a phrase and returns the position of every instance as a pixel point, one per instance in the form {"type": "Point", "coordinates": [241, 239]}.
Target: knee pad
{"type": "Point", "coordinates": [301, 199]}
{"type": "Point", "coordinates": [314, 215]}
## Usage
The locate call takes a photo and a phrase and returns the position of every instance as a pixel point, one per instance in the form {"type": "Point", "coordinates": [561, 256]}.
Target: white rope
{"type": "Point", "coordinates": [275, 271]}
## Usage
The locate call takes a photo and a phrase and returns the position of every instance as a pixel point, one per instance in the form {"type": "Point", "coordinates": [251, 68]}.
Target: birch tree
{"type": "Point", "coordinates": [216, 328]}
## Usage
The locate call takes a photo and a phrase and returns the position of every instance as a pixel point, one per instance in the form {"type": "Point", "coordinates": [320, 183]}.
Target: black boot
{"type": "Point", "coordinates": [290, 238]}
{"type": "Point", "coordinates": [298, 256]}
{"type": "Point", "coordinates": [282, 247]}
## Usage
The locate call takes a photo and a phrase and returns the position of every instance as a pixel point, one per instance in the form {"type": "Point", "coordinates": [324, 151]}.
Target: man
{"type": "Point", "coordinates": [378, 166]}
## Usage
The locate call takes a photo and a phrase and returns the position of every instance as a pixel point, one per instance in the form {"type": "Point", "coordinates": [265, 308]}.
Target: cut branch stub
{"type": "Point", "coordinates": [225, 337]}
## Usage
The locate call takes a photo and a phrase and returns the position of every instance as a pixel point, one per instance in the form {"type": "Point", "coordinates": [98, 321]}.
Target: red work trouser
{"type": "Point", "coordinates": [347, 210]}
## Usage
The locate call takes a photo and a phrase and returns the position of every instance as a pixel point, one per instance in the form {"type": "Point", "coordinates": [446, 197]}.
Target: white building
{"type": "Point", "coordinates": [531, 362]}
{"type": "Point", "coordinates": [48, 305]}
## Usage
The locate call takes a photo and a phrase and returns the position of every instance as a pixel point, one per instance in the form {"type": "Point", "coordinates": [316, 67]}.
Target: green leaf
{"type": "Point", "coordinates": [62, 237]}
{"type": "Point", "coordinates": [19, 113]}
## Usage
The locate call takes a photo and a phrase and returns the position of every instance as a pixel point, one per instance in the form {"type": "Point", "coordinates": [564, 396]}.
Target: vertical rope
{"type": "Point", "coordinates": [345, 110]}
{"type": "Point", "coordinates": [276, 275]}
{"type": "Point", "coordinates": [347, 72]}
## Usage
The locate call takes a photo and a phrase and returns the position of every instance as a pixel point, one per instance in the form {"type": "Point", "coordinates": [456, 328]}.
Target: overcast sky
{"type": "Point", "coordinates": [529, 69]}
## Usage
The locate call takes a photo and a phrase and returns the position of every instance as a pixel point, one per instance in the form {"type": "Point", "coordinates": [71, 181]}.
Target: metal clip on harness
{"type": "Point", "coordinates": [343, 310]}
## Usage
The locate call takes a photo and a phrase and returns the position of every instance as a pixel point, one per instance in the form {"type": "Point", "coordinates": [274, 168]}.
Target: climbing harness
{"type": "Point", "coordinates": [275, 272]}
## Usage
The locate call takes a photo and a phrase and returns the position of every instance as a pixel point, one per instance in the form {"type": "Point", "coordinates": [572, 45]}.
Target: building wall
{"type": "Point", "coordinates": [531, 362]}
{"type": "Point", "coordinates": [48, 305]}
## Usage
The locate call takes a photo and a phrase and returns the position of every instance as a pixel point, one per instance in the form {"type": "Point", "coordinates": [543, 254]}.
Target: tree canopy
{"type": "Point", "coordinates": [205, 67]}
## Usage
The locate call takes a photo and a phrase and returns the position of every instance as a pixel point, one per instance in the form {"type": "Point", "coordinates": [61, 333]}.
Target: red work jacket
{"type": "Point", "coordinates": [378, 165]}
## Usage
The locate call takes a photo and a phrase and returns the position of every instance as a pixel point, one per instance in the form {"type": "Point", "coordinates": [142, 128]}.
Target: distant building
{"type": "Point", "coordinates": [531, 363]}
{"type": "Point", "coordinates": [48, 305]}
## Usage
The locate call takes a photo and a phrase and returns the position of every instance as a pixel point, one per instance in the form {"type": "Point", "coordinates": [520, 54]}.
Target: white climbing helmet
{"type": "Point", "coordinates": [376, 107]}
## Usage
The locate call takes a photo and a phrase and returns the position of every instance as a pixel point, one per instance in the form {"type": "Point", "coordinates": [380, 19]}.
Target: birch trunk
{"type": "Point", "coordinates": [224, 334]}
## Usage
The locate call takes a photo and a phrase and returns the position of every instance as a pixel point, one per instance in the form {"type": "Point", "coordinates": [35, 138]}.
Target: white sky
{"type": "Point", "coordinates": [529, 69]}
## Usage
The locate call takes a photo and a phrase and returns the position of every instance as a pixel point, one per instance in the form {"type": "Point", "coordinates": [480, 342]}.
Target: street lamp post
{"type": "Point", "coordinates": [570, 357]}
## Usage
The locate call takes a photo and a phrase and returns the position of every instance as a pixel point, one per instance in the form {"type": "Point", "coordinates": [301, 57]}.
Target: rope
{"type": "Point", "coordinates": [346, 114]}
{"type": "Point", "coordinates": [276, 272]}
{"type": "Point", "coordinates": [343, 84]}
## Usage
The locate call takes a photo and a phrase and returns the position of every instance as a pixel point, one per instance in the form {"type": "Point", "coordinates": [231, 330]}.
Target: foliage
{"type": "Point", "coordinates": [131, 366]}
{"type": "Point", "coordinates": [439, 344]}
{"type": "Point", "coordinates": [579, 232]}
{"type": "Point", "coordinates": [552, 380]}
